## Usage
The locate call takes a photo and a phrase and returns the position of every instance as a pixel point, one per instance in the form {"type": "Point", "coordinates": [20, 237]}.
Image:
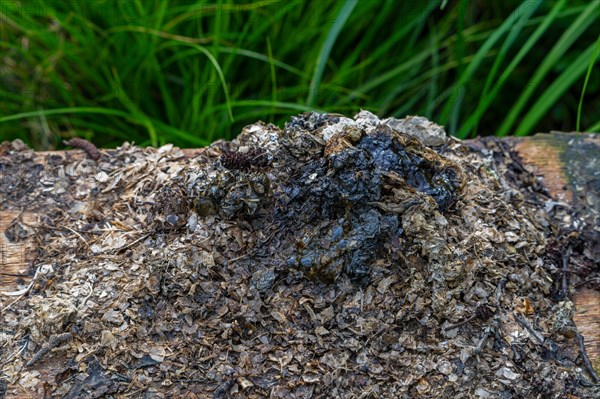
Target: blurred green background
{"type": "Point", "coordinates": [190, 72]}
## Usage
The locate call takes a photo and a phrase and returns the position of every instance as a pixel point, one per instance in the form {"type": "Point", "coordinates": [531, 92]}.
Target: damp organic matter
{"type": "Point", "coordinates": [334, 256]}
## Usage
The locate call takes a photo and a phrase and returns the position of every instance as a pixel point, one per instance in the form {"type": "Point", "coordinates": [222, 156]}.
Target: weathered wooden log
{"type": "Point", "coordinates": [567, 164]}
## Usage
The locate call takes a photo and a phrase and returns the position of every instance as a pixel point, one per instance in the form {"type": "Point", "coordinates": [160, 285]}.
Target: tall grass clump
{"type": "Point", "coordinates": [190, 72]}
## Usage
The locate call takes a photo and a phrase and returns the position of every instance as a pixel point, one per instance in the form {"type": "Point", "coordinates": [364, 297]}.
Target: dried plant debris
{"type": "Point", "coordinates": [342, 257]}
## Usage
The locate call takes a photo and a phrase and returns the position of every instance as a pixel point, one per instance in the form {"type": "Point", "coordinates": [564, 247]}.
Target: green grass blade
{"type": "Point", "coordinates": [278, 105]}
{"type": "Point", "coordinates": [554, 92]}
{"type": "Point", "coordinates": [594, 128]}
{"type": "Point", "coordinates": [511, 38]}
{"type": "Point", "coordinates": [574, 31]}
{"type": "Point", "coordinates": [438, 59]}
{"type": "Point", "coordinates": [321, 61]}
{"type": "Point", "coordinates": [273, 76]}
{"type": "Point", "coordinates": [61, 111]}
{"type": "Point", "coordinates": [387, 76]}
{"type": "Point", "coordinates": [453, 104]}
{"type": "Point", "coordinates": [585, 83]}
{"type": "Point", "coordinates": [488, 98]}
{"type": "Point", "coordinates": [103, 111]}
{"type": "Point", "coordinates": [180, 40]}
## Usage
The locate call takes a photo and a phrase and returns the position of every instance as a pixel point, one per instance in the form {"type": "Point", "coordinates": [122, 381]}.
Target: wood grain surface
{"type": "Point", "coordinates": [566, 161]}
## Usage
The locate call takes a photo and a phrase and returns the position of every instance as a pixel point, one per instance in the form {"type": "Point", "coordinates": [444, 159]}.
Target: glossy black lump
{"type": "Point", "coordinates": [328, 205]}
{"type": "Point", "coordinates": [343, 245]}
{"type": "Point", "coordinates": [387, 154]}
{"type": "Point", "coordinates": [338, 201]}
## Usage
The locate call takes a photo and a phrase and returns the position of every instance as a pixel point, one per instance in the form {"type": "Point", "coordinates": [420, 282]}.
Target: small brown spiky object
{"type": "Point", "coordinates": [256, 157]}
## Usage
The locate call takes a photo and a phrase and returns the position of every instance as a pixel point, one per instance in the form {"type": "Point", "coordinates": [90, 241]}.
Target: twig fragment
{"type": "Point", "coordinates": [54, 341]}
{"type": "Point", "coordinates": [131, 244]}
{"type": "Point", "coordinates": [22, 292]}
{"type": "Point", "coordinates": [18, 352]}
{"type": "Point", "coordinates": [523, 323]}
{"type": "Point", "coordinates": [482, 312]}
{"type": "Point", "coordinates": [565, 270]}
{"type": "Point", "coordinates": [586, 359]}
{"type": "Point", "coordinates": [484, 339]}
